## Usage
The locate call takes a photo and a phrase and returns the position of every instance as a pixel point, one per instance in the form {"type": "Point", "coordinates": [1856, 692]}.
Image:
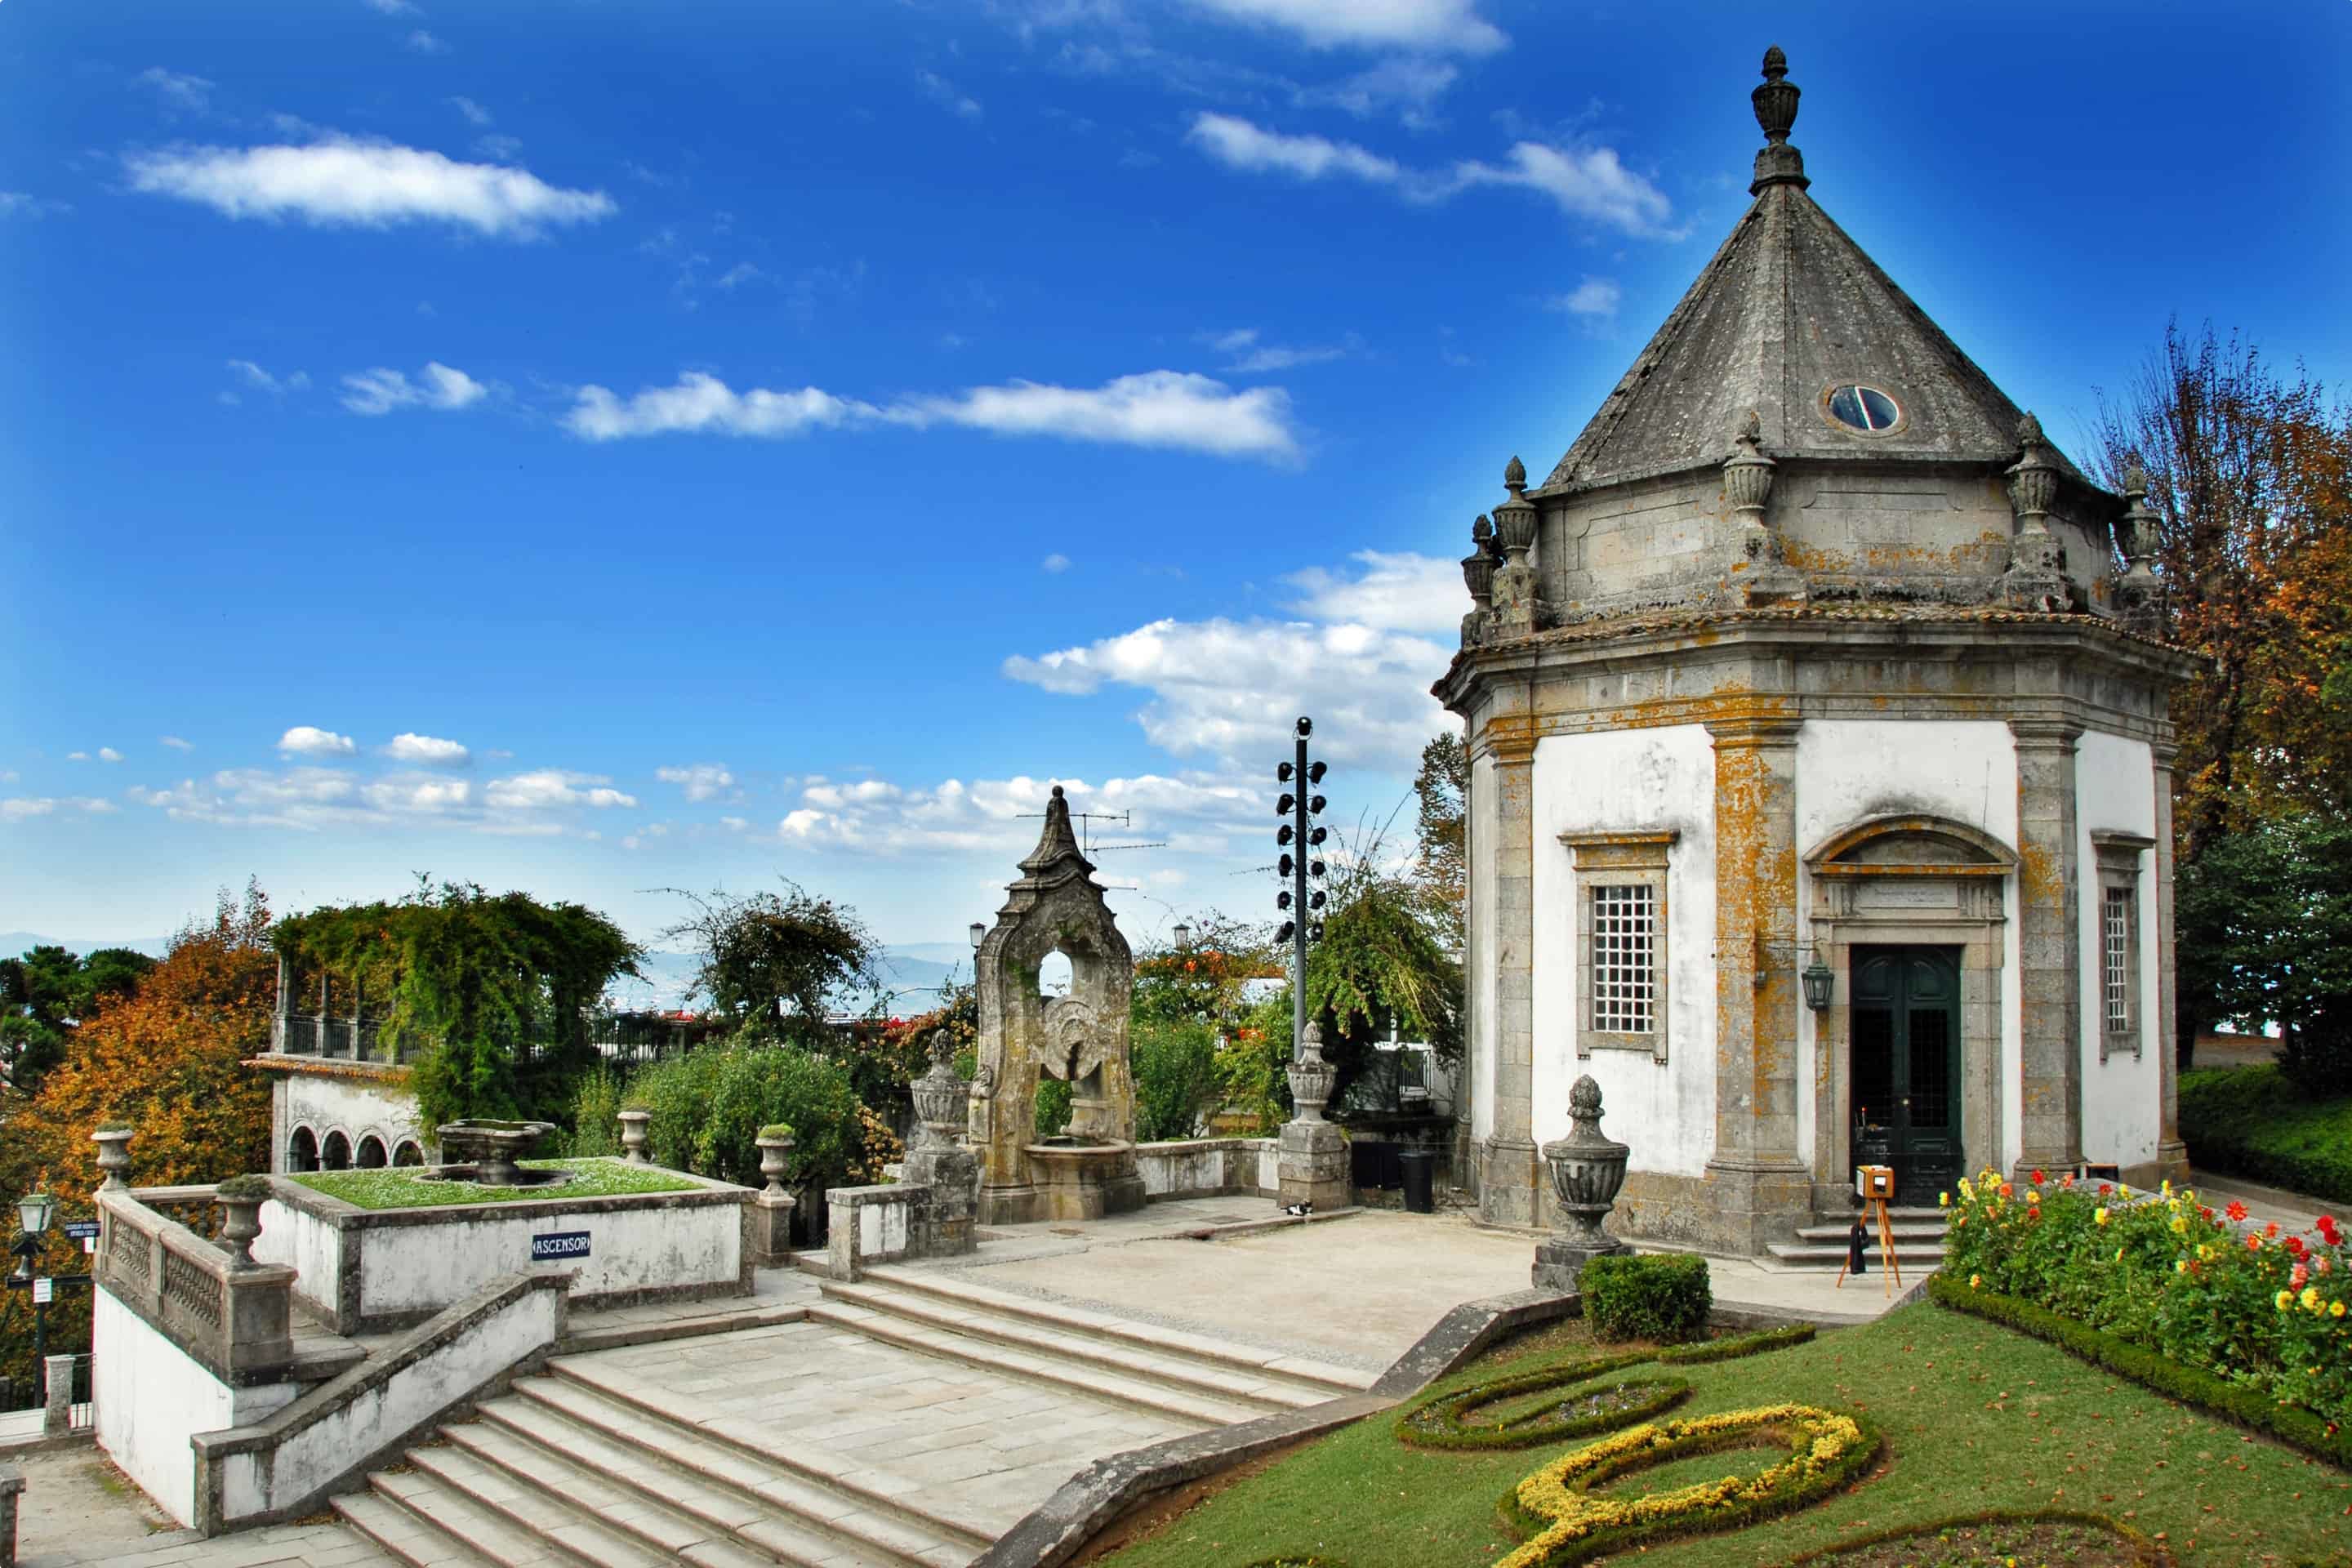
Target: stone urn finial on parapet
{"type": "Point", "coordinates": [113, 1141]}
{"type": "Point", "coordinates": [1587, 1171]}
{"type": "Point", "coordinates": [1312, 1155]}
{"type": "Point", "coordinates": [942, 1097]}
{"type": "Point", "coordinates": [240, 1199]}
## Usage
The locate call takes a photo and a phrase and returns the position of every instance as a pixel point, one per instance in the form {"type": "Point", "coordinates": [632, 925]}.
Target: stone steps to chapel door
{"type": "Point", "coordinates": [811, 1483]}
{"type": "Point", "coordinates": [767, 1507]}
{"type": "Point", "coordinates": [1138, 1354]}
{"type": "Point", "coordinates": [1163, 1401]}
{"type": "Point", "coordinates": [1926, 1255]}
{"type": "Point", "coordinates": [1905, 1232]}
{"type": "Point", "coordinates": [1320, 1379]}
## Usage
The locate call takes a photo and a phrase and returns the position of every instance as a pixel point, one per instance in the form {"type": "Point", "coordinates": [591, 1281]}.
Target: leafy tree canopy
{"type": "Point", "coordinates": [778, 963]}
{"type": "Point", "coordinates": [45, 994]}
{"type": "Point", "coordinates": [1441, 864]}
{"type": "Point", "coordinates": [2265, 933]}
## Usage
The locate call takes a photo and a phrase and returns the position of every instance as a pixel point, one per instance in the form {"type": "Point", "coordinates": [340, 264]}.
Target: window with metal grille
{"type": "Point", "coordinates": [2118, 957]}
{"type": "Point", "coordinates": [1624, 958]}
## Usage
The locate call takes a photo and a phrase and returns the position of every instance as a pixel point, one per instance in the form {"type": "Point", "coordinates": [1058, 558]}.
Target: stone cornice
{"type": "Point", "coordinates": [315, 1066]}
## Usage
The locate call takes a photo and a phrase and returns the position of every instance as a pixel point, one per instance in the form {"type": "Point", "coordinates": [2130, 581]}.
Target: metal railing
{"type": "Point", "coordinates": [333, 1040]}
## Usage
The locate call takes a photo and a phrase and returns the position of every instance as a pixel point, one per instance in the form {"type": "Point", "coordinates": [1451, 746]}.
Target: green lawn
{"type": "Point", "coordinates": [2251, 1122]}
{"type": "Point", "coordinates": [1976, 1417]}
{"type": "Point", "coordinates": [392, 1188]}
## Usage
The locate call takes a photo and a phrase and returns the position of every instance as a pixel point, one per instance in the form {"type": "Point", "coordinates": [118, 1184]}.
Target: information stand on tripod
{"type": "Point", "coordinates": [1874, 1185]}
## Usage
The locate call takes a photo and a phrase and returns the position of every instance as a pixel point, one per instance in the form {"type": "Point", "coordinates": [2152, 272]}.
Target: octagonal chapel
{"type": "Point", "coordinates": [1813, 654]}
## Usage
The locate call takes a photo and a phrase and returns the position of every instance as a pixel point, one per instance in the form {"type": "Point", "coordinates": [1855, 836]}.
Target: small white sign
{"type": "Point", "coordinates": [43, 1292]}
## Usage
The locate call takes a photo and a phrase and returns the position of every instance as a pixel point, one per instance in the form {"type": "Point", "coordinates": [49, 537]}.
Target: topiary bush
{"type": "Point", "coordinates": [1663, 1297]}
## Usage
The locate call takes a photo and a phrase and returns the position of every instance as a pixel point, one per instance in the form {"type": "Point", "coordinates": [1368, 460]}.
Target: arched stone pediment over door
{"type": "Point", "coordinates": [1908, 882]}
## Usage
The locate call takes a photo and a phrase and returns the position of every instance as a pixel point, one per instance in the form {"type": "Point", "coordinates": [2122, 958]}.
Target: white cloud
{"type": "Point", "coordinates": [306, 741]}
{"type": "Point", "coordinates": [1055, 562]}
{"type": "Point", "coordinates": [77, 756]}
{"type": "Point", "coordinates": [1453, 24]}
{"type": "Point", "coordinates": [741, 273]}
{"type": "Point", "coordinates": [369, 185]}
{"type": "Point", "coordinates": [946, 94]}
{"type": "Point", "coordinates": [555, 787]}
{"type": "Point", "coordinates": [1596, 297]}
{"type": "Point", "coordinates": [1160, 408]}
{"type": "Point", "coordinates": [254, 378]}
{"type": "Point", "coordinates": [474, 112]}
{"type": "Point", "coordinates": [428, 749]}
{"type": "Point", "coordinates": [1248, 356]}
{"type": "Point", "coordinates": [109, 754]}
{"type": "Point", "coordinates": [1401, 592]}
{"type": "Point", "coordinates": [20, 204]}
{"type": "Point", "coordinates": [176, 743]}
{"type": "Point", "coordinates": [424, 43]}
{"type": "Point", "coordinates": [1194, 812]}
{"type": "Point", "coordinates": [499, 149]}
{"type": "Point", "coordinates": [734, 824]}
{"type": "Point", "coordinates": [1589, 183]}
{"type": "Point", "coordinates": [701, 781]}
{"type": "Point", "coordinates": [1410, 84]}
{"type": "Point", "coordinates": [189, 93]}
{"type": "Point", "coordinates": [391, 7]}
{"type": "Point", "coordinates": [418, 793]}
{"type": "Point", "coordinates": [380, 391]}
{"type": "Point", "coordinates": [1238, 144]}
{"type": "Point", "coordinates": [18, 809]}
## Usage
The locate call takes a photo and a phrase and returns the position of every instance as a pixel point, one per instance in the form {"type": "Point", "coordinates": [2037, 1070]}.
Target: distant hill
{"type": "Point", "coordinates": [16, 944]}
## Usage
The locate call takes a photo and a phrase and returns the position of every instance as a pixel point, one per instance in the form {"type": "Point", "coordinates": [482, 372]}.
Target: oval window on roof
{"type": "Point", "coordinates": [1865, 409]}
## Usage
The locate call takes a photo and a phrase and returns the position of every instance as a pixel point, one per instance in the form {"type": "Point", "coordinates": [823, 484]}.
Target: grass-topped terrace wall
{"type": "Point", "coordinates": [371, 1254]}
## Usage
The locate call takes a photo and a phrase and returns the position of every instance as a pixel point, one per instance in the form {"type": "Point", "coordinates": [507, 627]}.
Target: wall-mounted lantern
{"type": "Point", "coordinates": [1819, 982]}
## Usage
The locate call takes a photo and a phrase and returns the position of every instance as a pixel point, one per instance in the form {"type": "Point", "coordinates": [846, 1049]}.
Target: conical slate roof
{"type": "Point", "coordinates": [1789, 309]}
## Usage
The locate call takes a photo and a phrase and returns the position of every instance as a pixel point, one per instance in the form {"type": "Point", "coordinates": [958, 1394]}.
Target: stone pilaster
{"type": "Point", "coordinates": [2049, 928]}
{"type": "Point", "coordinates": [2171, 1151]}
{"type": "Point", "coordinates": [1758, 1191]}
{"type": "Point", "coordinates": [1508, 1174]}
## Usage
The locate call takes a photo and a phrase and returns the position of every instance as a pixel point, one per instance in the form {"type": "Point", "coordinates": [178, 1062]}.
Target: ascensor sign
{"type": "Point", "coordinates": [560, 1247]}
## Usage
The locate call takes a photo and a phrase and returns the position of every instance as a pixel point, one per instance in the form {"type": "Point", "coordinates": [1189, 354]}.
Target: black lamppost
{"type": "Point", "coordinates": [1299, 803]}
{"type": "Point", "coordinates": [34, 1211]}
{"type": "Point", "coordinates": [979, 935]}
{"type": "Point", "coordinates": [1183, 934]}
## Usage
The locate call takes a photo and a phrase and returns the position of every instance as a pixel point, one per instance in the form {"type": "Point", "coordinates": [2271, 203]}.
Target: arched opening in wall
{"type": "Point", "coordinates": [1052, 1107]}
{"type": "Point", "coordinates": [1054, 975]}
{"type": "Point", "coordinates": [302, 1151]}
{"type": "Point", "coordinates": [408, 1154]}
{"type": "Point", "coordinates": [335, 1154]}
{"type": "Point", "coordinates": [371, 1156]}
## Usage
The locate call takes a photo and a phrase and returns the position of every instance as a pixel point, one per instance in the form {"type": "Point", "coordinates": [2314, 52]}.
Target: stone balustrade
{"type": "Point", "coordinates": [235, 1321]}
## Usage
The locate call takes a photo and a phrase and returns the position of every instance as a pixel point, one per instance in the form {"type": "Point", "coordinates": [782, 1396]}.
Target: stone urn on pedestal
{"type": "Point", "coordinates": [240, 1199]}
{"type": "Point", "coordinates": [113, 1142]}
{"type": "Point", "coordinates": [1312, 1153]}
{"type": "Point", "coordinates": [1587, 1171]}
{"type": "Point", "coordinates": [633, 1136]}
{"type": "Point", "coordinates": [772, 1207]}
{"type": "Point", "coordinates": [938, 1155]}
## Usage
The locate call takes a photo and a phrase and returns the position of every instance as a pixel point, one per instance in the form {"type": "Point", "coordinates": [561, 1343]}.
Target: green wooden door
{"type": "Point", "coordinates": [1904, 1032]}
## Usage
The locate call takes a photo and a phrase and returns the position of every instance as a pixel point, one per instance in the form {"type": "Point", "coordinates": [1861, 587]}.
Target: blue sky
{"type": "Point", "coordinates": [595, 447]}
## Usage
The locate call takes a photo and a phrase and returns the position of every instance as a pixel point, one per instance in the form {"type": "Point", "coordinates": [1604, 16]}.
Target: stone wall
{"type": "Point", "coordinates": [358, 1099]}
{"type": "Point", "coordinates": [151, 1397]}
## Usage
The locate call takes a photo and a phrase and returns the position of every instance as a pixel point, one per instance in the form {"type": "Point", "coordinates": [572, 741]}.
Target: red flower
{"type": "Point", "coordinates": [2104, 1189]}
{"type": "Point", "coordinates": [2254, 1242]}
{"type": "Point", "coordinates": [2039, 1178]}
{"type": "Point", "coordinates": [2207, 1215]}
{"type": "Point", "coordinates": [2236, 1211]}
{"type": "Point", "coordinates": [2006, 1190]}
{"type": "Point", "coordinates": [2271, 1230]}
{"type": "Point", "coordinates": [2296, 1248]}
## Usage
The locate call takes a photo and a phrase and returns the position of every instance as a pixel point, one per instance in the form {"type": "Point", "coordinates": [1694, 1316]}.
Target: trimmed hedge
{"type": "Point", "coordinates": [1739, 1345]}
{"type": "Point", "coordinates": [1660, 1296]}
{"type": "Point", "coordinates": [2141, 1545]}
{"type": "Point", "coordinates": [2215, 1395]}
{"type": "Point", "coordinates": [2252, 1121]}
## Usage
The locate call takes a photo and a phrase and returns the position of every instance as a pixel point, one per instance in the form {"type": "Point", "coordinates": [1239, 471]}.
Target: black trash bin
{"type": "Point", "coordinates": [1417, 1166]}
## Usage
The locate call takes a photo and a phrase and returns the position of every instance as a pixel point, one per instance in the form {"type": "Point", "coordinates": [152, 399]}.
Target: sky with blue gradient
{"type": "Point", "coordinates": [599, 447]}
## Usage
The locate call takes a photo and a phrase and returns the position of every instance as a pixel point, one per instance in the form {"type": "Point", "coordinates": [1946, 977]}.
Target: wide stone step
{"type": "Point", "coordinates": [403, 1535]}
{"type": "Point", "coordinates": [812, 1484]}
{"type": "Point", "coordinates": [1323, 1380]}
{"type": "Point", "coordinates": [1137, 1357]}
{"type": "Point", "coordinates": [1153, 1399]}
{"type": "Point", "coordinates": [1812, 1256]}
{"type": "Point", "coordinates": [762, 1508]}
{"type": "Point", "coordinates": [460, 1530]}
{"type": "Point", "coordinates": [566, 1528]}
{"type": "Point", "coordinates": [1911, 1231]}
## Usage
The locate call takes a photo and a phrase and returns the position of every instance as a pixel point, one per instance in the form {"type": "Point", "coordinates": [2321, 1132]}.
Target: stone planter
{"type": "Point", "coordinates": [633, 1136]}
{"type": "Point", "coordinates": [113, 1158]}
{"type": "Point", "coordinates": [240, 1223]}
{"type": "Point", "coordinates": [1587, 1172]}
{"type": "Point", "coordinates": [943, 1098]}
{"type": "Point", "coordinates": [772, 1151]}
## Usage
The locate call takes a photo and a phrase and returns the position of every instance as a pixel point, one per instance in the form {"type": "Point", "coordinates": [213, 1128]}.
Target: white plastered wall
{"type": "Point", "coordinates": [151, 1397]}
{"type": "Point", "coordinates": [2122, 1109]}
{"type": "Point", "coordinates": [355, 1107]}
{"type": "Point", "coordinates": [1634, 781]}
{"type": "Point", "coordinates": [1851, 770]}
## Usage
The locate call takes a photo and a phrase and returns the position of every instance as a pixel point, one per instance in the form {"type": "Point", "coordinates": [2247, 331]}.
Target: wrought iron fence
{"type": "Point", "coordinates": [334, 1040]}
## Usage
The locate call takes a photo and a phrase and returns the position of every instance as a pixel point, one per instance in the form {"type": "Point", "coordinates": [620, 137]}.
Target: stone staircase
{"type": "Point", "coordinates": [945, 1400]}
{"type": "Point", "coordinates": [1918, 1239]}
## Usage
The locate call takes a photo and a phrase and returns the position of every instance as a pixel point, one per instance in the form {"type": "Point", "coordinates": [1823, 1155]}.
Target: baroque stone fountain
{"type": "Point", "coordinates": [1079, 1039]}
{"type": "Point", "coordinates": [485, 1152]}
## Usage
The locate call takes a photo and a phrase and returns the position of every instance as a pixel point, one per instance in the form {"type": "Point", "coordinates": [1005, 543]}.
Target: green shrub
{"type": "Point", "coordinates": [595, 1112]}
{"type": "Point", "coordinates": [2252, 1121]}
{"type": "Point", "coordinates": [2216, 1395]}
{"type": "Point", "coordinates": [2267, 1312]}
{"type": "Point", "coordinates": [1053, 1107]}
{"type": "Point", "coordinates": [1175, 1066]}
{"type": "Point", "coordinates": [1660, 1296]}
{"type": "Point", "coordinates": [1738, 1345]}
{"type": "Point", "coordinates": [708, 1106]}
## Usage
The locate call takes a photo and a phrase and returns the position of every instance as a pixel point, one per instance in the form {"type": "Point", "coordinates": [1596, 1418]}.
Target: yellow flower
{"type": "Point", "coordinates": [2180, 1266]}
{"type": "Point", "coordinates": [2033, 1194]}
{"type": "Point", "coordinates": [1975, 1280]}
{"type": "Point", "coordinates": [2100, 1215]}
{"type": "Point", "coordinates": [2335, 1308]}
{"type": "Point", "coordinates": [2284, 1299]}
{"type": "Point", "coordinates": [2311, 1297]}
{"type": "Point", "coordinates": [1944, 1200]}
{"type": "Point", "coordinates": [2165, 1186]}
{"type": "Point", "coordinates": [2123, 1190]}
{"type": "Point", "coordinates": [1966, 1191]}
{"type": "Point", "coordinates": [2180, 1228]}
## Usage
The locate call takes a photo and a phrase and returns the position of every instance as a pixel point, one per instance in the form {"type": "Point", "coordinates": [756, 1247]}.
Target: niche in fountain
{"type": "Point", "coordinates": [1079, 1039]}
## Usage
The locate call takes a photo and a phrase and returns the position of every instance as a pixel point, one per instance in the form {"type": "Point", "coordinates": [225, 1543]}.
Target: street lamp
{"type": "Point", "coordinates": [33, 1211]}
{"type": "Point", "coordinates": [1818, 982]}
{"type": "Point", "coordinates": [978, 931]}
{"type": "Point", "coordinates": [1183, 934]}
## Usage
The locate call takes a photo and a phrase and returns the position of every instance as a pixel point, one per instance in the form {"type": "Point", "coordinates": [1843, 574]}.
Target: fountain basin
{"type": "Point", "coordinates": [1085, 1178]}
{"type": "Point", "coordinates": [492, 1149]}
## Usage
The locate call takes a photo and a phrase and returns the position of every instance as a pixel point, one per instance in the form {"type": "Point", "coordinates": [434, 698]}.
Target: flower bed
{"type": "Point", "coordinates": [1826, 1449]}
{"type": "Point", "coordinates": [2000, 1537]}
{"type": "Point", "coordinates": [2249, 1307]}
{"type": "Point", "coordinates": [393, 1188]}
